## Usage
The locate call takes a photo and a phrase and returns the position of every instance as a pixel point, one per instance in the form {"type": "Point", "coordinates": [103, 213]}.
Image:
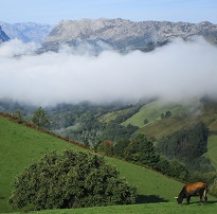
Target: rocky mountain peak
{"type": "Point", "coordinates": [26, 32]}
{"type": "Point", "coordinates": [123, 34]}
{"type": "Point", "coordinates": [3, 36]}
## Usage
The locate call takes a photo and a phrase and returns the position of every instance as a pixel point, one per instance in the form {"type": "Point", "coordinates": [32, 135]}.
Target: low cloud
{"type": "Point", "coordinates": [15, 48]}
{"type": "Point", "coordinates": [176, 71]}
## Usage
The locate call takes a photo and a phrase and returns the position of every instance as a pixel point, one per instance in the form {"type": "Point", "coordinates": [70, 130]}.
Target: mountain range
{"type": "Point", "coordinates": [3, 36]}
{"type": "Point", "coordinates": [26, 32]}
{"type": "Point", "coordinates": [103, 34]}
{"type": "Point", "coordinates": [124, 35]}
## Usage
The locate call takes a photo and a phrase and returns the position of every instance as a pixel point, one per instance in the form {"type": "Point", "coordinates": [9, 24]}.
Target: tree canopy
{"type": "Point", "coordinates": [40, 118]}
{"type": "Point", "coordinates": [70, 180]}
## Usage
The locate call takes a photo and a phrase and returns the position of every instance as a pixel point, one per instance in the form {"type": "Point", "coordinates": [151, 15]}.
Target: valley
{"type": "Point", "coordinates": [23, 145]}
{"type": "Point", "coordinates": [107, 115]}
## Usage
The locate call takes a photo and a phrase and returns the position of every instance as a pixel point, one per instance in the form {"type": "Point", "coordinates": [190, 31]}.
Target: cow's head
{"type": "Point", "coordinates": [179, 199]}
{"type": "Point", "coordinates": [181, 196]}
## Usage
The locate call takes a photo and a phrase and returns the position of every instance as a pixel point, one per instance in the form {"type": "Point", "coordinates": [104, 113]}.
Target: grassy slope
{"type": "Point", "coordinates": [20, 146]}
{"type": "Point", "coordinates": [152, 112]}
{"type": "Point", "coordinates": [166, 127]}
{"type": "Point", "coordinates": [146, 181]}
{"type": "Point", "coordinates": [158, 128]}
{"type": "Point", "coordinates": [152, 208]}
{"type": "Point", "coordinates": [212, 150]}
{"type": "Point", "coordinates": [109, 117]}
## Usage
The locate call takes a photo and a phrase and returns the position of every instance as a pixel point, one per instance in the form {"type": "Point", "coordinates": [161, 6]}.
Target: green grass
{"type": "Point", "coordinates": [147, 182]}
{"type": "Point", "coordinates": [212, 150]}
{"type": "Point", "coordinates": [210, 119]}
{"type": "Point", "coordinates": [152, 112]}
{"type": "Point", "coordinates": [20, 146]}
{"type": "Point", "coordinates": [166, 127]}
{"type": "Point", "coordinates": [152, 208]}
{"type": "Point", "coordinates": [110, 116]}
{"type": "Point", "coordinates": [183, 116]}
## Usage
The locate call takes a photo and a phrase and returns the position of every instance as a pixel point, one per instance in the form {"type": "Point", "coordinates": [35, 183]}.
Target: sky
{"type": "Point", "coordinates": [53, 11]}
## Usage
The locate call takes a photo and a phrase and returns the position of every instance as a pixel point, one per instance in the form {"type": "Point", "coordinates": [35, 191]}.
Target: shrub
{"type": "Point", "coordinates": [146, 121]}
{"type": "Point", "coordinates": [70, 180]}
{"type": "Point", "coordinates": [213, 188]}
{"type": "Point", "coordinates": [142, 151]}
{"type": "Point", "coordinates": [187, 144]}
{"type": "Point", "coordinates": [172, 168]}
{"type": "Point", "coordinates": [178, 170]}
{"type": "Point", "coordinates": [40, 118]}
{"type": "Point", "coordinates": [105, 148]}
{"type": "Point", "coordinates": [119, 148]}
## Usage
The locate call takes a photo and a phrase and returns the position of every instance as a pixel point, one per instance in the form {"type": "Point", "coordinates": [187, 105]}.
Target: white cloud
{"type": "Point", "coordinates": [16, 47]}
{"type": "Point", "coordinates": [178, 70]}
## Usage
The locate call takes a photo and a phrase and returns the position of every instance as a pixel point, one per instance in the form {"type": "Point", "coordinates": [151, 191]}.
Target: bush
{"type": "Point", "coordinates": [146, 121]}
{"type": "Point", "coordinates": [207, 177]}
{"type": "Point", "coordinates": [105, 148]}
{"type": "Point", "coordinates": [172, 168]}
{"type": "Point", "coordinates": [163, 166]}
{"type": "Point", "coordinates": [187, 144]}
{"type": "Point", "coordinates": [178, 170]}
{"type": "Point", "coordinates": [40, 118]}
{"type": "Point", "coordinates": [70, 180]}
{"type": "Point", "coordinates": [213, 188]}
{"type": "Point", "coordinates": [142, 151]}
{"type": "Point", "coordinates": [119, 148]}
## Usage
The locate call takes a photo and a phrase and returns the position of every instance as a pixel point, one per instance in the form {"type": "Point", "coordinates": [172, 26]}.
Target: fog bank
{"type": "Point", "coordinates": [178, 70]}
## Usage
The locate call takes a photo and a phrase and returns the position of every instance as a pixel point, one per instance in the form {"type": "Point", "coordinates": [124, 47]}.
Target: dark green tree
{"type": "Point", "coordinates": [40, 118]}
{"type": "Point", "coordinates": [187, 144]}
{"type": "Point", "coordinates": [178, 170]}
{"type": "Point", "coordinates": [105, 147]}
{"type": "Point", "coordinates": [119, 148]}
{"type": "Point", "coordinates": [168, 114]}
{"type": "Point", "coordinates": [162, 116]}
{"type": "Point", "coordinates": [163, 166]}
{"type": "Point", "coordinates": [141, 150]}
{"type": "Point", "coordinates": [172, 168]}
{"type": "Point", "coordinates": [146, 121]}
{"type": "Point", "coordinates": [70, 180]}
{"type": "Point", "coordinates": [18, 116]}
{"type": "Point", "coordinates": [213, 188]}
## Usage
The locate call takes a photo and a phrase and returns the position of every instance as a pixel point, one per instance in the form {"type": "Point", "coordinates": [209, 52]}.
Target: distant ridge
{"type": "Point", "coordinates": [125, 35]}
{"type": "Point", "coordinates": [26, 32]}
{"type": "Point", "coordinates": [3, 36]}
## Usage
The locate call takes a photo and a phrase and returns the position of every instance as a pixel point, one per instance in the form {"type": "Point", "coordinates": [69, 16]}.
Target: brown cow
{"type": "Point", "coordinates": [193, 189]}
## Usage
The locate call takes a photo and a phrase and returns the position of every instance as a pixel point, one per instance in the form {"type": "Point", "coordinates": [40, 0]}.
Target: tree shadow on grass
{"type": "Point", "coordinates": [140, 199]}
{"type": "Point", "coordinates": [2, 197]}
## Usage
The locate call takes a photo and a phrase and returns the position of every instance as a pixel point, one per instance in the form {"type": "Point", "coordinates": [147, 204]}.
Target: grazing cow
{"type": "Point", "coordinates": [193, 189]}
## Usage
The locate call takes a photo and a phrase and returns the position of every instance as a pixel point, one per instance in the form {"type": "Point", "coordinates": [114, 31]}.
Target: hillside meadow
{"type": "Point", "coordinates": [20, 146]}
{"type": "Point", "coordinates": [212, 150]}
{"type": "Point", "coordinates": [151, 208]}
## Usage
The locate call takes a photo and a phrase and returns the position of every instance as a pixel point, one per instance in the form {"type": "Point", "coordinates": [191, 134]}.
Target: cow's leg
{"type": "Point", "coordinates": [201, 198]}
{"type": "Point", "coordinates": [205, 195]}
{"type": "Point", "coordinates": [188, 199]}
{"type": "Point", "coordinates": [205, 198]}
